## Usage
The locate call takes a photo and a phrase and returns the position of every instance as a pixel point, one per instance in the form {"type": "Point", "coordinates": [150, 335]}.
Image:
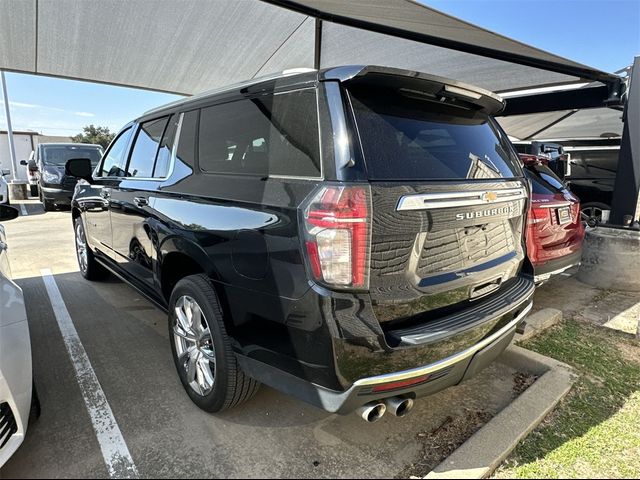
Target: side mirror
{"type": "Point", "coordinates": [79, 167]}
{"type": "Point", "coordinates": [8, 213]}
{"type": "Point", "coordinates": [23, 163]}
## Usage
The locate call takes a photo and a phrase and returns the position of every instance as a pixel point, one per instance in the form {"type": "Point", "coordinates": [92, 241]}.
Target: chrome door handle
{"type": "Point", "coordinates": [140, 201]}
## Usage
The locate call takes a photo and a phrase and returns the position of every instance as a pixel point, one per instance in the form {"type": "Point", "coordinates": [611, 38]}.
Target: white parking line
{"type": "Point", "coordinates": [23, 209]}
{"type": "Point", "coordinates": [114, 449]}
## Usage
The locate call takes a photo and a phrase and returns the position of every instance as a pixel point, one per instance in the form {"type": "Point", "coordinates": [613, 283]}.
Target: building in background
{"type": "Point", "coordinates": [25, 142]}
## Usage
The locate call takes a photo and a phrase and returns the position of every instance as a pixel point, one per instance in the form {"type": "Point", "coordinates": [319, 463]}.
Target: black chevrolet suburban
{"type": "Point", "coordinates": [351, 236]}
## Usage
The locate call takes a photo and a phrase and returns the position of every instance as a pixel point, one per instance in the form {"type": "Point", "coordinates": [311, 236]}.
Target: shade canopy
{"type": "Point", "coordinates": [566, 124]}
{"type": "Point", "coordinates": [188, 47]}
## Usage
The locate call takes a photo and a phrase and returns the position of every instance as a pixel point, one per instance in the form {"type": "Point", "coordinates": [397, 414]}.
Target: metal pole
{"type": "Point", "coordinates": [626, 192]}
{"type": "Point", "coordinates": [12, 148]}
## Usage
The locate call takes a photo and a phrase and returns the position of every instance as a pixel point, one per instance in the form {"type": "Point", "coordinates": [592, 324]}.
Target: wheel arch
{"type": "Point", "coordinates": [180, 258]}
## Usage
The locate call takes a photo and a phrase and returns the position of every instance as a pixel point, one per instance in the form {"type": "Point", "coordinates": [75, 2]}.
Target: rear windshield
{"type": "Point", "coordinates": [407, 137]}
{"type": "Point", "coordinates": [59, 154]}
{"type": "Point", "coordinates": [543, 180]}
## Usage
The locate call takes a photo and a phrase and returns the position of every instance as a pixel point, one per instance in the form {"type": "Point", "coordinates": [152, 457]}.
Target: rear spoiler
{"type": "Point", "coordinates": [489, 102]}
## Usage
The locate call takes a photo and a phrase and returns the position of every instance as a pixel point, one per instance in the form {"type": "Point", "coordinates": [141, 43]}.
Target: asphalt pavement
{"type": "Point", "coordinates": [126, 345]}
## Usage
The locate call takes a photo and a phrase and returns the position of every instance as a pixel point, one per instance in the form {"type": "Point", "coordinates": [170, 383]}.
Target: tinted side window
{"type": "Point", "coordinates": [145, 148]}
{"type": "Point", "coordinates": [268, 135]}
{"type": "Point", "coordinates": [163, 159]}
{"type": "Point", "coordinates": [114, 160]}
{"type": "Point", "coordinates": [186, 152]}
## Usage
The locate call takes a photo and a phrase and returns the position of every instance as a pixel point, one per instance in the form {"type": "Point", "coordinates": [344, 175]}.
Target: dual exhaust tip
{"type": "Point", "coordinates": [373, 411]}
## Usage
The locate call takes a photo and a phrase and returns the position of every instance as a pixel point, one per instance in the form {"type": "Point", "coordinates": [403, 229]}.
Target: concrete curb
{"type": "Point", "coordinates": [538, 322]}
{"type": "Point", "coordinates": [481, 454]}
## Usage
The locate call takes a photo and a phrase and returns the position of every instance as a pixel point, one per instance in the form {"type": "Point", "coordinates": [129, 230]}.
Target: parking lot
{"type": "Point", "coordinates": [126, 340]}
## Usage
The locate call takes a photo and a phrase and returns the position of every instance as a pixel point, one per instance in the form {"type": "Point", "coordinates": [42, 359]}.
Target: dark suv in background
{"type": "Point", "coordinates": [587, 166]}
{"type": "Point", "coordinates": [54, 187]}
{"type": "Point", "coordinates": [352, 237]}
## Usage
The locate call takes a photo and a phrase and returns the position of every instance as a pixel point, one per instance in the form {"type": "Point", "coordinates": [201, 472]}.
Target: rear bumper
{"type": "Point", "coordinates": [440, 375]}
{"type": "Point", "coordinates": [492, 323]}
{"type": "Point", "coordinates": [544, 271]}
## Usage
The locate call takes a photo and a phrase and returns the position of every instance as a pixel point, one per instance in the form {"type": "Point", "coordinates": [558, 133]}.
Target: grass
{"type": "Point", "coordinates": [595, 431]}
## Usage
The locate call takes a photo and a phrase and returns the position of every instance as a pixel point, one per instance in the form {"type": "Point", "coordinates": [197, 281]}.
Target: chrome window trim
{"type": "Point", "coordinates": [447, 362]}
{"type": "Point", "coordinates": [429, 201]}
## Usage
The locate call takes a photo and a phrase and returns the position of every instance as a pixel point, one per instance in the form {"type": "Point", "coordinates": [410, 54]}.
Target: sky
{"type": "Point", "coordinates": [600, 33]}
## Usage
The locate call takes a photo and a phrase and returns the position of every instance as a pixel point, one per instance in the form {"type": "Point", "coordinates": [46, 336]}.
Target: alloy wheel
{"type": "Point", "coordinates": [194, 345]}
{"type": "Point", "coordinates": [81, 248]}
{"type": "Point", "coordinates": [591, 213]}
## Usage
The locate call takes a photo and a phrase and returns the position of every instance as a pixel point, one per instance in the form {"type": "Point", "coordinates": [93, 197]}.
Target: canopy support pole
{"type": "Point", "coordinates": [317, 52]}
{"type": "Point", "coordinates": [12, 147]}
{"type": "Point", "coordinates": [626, 193]}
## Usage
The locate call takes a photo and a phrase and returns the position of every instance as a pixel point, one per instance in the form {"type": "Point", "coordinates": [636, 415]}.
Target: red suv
{"type": "Point", "coordinates": [554, 229]}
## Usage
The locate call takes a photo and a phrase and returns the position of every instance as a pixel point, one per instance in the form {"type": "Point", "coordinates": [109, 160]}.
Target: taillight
{"type": "Point", "coordinates": [575, 212]}
{"type": "Point", "coordinates": [337, 236]}
{"type": "Point", "coordinates": [538, 215]}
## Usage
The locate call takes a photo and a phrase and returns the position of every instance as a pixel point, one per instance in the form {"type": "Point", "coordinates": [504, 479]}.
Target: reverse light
{"type": "Point", "coordinates": [337, 232]}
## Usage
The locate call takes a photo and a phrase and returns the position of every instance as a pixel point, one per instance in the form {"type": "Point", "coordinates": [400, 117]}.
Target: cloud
{"type": "Point", "coordinates": [21, 105]}
{"type": "Point", "coordinates": [24, 105]}
{"type": "Point", "coordinates": [44, 108]}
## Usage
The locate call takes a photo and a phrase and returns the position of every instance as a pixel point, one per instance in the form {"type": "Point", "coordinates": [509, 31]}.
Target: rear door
{"type": "Point", "coordinates": [448, 201]}
{"type": "Point", "coordinates": [131, 199]}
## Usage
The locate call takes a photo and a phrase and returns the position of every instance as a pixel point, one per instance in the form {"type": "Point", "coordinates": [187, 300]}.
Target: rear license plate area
{"type": "Point", "coordinates": [564, 215]}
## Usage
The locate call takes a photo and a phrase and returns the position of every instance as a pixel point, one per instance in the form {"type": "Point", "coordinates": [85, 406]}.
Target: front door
{"type": "Point", "coordinates": [131, 201]}
{"type": "Point", "coordinates": [96, 205]}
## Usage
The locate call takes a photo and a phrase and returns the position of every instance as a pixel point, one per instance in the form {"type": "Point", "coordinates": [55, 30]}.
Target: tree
{"type": "Point", "coordinates": [96, 135]}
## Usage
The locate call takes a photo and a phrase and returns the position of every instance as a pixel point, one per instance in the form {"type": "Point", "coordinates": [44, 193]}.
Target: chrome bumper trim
{"type": "Point", "coordinates": [447, 362]}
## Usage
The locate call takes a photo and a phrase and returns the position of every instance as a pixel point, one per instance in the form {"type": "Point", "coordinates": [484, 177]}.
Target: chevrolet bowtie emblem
{"type": "Point", "coordinates": [490, 196]}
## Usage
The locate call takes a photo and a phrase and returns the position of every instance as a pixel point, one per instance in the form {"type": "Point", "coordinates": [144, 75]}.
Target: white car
{"type": "Point", "coordinates": [16, 379]}
{"type": "Point", "coordinates": [4, 189]}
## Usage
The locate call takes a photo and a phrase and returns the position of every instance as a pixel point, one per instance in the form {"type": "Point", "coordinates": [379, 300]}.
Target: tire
{"type": "Point", "coordinates": [33, 190]}
{"type": "Point", "coordinates": [212, 387]}
{"type": "Point", "coordinates": [48, 205]}
{"type": "Point", "coordinates": [89, 266]}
